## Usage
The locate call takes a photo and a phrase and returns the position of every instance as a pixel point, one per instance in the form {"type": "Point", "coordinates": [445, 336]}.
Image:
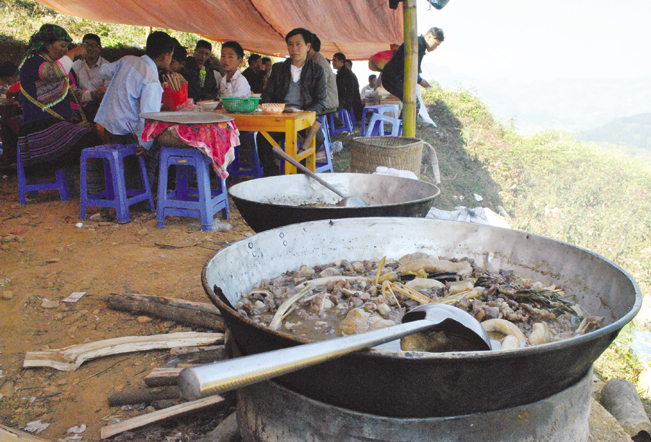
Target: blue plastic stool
{"type": "Point", "coordinates": [116, 194]}
{"type": "Point", "coordinates": [377, 109]}
{"type": "Point", "coordinates": [201, 202]}
{"type": "Point", "coordinates": [345, 117]}
{"type": "Point", "coordinates": [254, 168]}
{"type": "Point", "coordinates": [59, 184]}
{"type": "Point", "coordinates": [376, 126]}
{"type": "Point", "coordinates": [327, 166]}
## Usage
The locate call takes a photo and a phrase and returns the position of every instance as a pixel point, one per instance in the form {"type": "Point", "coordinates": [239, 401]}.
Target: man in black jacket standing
{"type": "Point", "coordinates": [393, 72]}
{"type": "Point", "coordinates": [345, 82]}
{"type": "Point", "coordinates": [299, 83]}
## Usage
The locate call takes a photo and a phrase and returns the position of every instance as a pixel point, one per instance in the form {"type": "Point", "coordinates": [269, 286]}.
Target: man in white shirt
{"type": "Point", "coordinates": [369, 94]}
{"type": "Point", "coordinates": [88, 77]}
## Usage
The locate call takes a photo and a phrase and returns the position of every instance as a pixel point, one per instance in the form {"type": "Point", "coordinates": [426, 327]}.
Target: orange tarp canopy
{"type": "Point", "coordinates": [358, 28]}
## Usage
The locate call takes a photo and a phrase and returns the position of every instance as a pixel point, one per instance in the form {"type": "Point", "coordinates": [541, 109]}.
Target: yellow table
{"type": "Point", "coordinates": [289, 123]}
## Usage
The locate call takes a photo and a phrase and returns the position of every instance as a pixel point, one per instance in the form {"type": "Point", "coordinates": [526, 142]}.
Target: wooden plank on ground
{"type": "Point", "coordinates": [146, 419]}
{"type": "Point", "coordinates": [10, 435]}
{"type": "Point", "coordinates": [194, 314]}
{"type": "Point", "coordinates": [163, 376]}
{"type": "Point", "coordinates": [71, 358]}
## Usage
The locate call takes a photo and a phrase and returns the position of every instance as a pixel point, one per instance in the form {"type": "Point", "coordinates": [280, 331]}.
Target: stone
{"type": "Point", "coordinates": [164, 403]}
{"type": "Point", "coordinates": [143, 319]}
{"type": "Point", "coordinates": [143, 232]}
{"type": "Point", "coordinates": [604, 427]}
{"type": "Point", "coordinates": [50, 390]}
{"type": "Point", "coordinates": [620, 398]}
{"type": "Point", "coordinates": [7, 390]}
{"type": "Point", "coordinates": [226, 431]}
{"type": "Point", "coordinates": [7, 295]}
{"type": "Point", "coordinates": [52, 260]}
{"type": "Point", "coordinates": [49, 304]}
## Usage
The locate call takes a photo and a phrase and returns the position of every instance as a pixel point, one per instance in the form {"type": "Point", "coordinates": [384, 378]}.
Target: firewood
{"type": "Point", "coordinates": [71, 358]}
{"type": "Point", "coordinates": [311, 133]}
{"type": "Point", "coordinates": [146, 419]}
{"type": "Point", "coordinates": [194, 314]}
{"type": "Point", "coordinates": [143, 396]}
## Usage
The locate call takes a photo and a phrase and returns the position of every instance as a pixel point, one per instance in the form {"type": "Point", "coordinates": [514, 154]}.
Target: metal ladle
{"type": "Point", "coordinates": [232, 374]}
{"type": "Point", "coordinates": [346, 201]}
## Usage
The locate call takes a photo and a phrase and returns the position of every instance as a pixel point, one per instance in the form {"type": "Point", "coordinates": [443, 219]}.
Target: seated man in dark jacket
{"type": "Point", "coordinates": [202, 84]}
{"type": "Point", "coordinates": [299, 83]}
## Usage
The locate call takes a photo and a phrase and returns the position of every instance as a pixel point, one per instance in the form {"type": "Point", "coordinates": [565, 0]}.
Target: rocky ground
{"type": "Point", "coordinates": [45, 256]}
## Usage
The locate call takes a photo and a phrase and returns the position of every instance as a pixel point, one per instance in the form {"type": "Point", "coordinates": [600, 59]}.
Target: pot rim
{"type": "Point", "coordinates": [371, 207]}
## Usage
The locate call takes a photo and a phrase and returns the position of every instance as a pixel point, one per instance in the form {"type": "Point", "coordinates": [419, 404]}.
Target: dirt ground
{"type": "Point", "coordinates": [44, 255]}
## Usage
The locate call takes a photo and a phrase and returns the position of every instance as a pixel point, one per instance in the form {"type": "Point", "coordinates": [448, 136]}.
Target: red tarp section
{"type": "Point", "coordinates": [358, 28]}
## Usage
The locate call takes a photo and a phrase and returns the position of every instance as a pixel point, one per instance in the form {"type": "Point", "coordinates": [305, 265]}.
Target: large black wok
{"type": "Point", "coordinates": [272, 202]}
{"type": "Point", "coordinates": [398, 384]}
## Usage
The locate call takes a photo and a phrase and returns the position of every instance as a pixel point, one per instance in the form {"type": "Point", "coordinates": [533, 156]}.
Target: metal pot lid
{"type": "Point", "coordinates": [188, 117]}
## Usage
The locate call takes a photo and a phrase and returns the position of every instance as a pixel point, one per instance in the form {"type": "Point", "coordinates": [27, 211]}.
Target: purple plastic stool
{"type": "Point", "coordinates": [201, 202]}
{"type": "Point", "coordinates": [59, 184]}
{"type": "Point", "coordinates": [378, 109]}
{"type": "Point", "coordinates": [346, 118]}
{"type": "Point", "coordinates": [116, 194]}
{"type": "Point", "coordinates": [376, 126]}
{"type": "Point", "coordinates": [253, 168]}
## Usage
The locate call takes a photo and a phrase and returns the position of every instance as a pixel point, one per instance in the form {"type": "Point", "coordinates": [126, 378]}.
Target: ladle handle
{"type": "Point", "coordinates": [306, 171]}
{"type": "Point", "coordinates": [206, 380]}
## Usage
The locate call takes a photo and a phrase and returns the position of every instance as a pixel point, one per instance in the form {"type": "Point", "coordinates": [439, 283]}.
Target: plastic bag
{"type": "Point", "coordinates": [336, 146]}
{"type": "Point", "coordinates": [220, 226]}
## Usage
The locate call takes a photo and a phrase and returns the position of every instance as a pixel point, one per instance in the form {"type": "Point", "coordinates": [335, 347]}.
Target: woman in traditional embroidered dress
{"type": "Point", "coordinates": [47, 138]}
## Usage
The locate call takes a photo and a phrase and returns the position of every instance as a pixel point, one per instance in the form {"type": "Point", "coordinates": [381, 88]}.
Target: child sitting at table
{"type": "Point", "coordinates": [233, 84]}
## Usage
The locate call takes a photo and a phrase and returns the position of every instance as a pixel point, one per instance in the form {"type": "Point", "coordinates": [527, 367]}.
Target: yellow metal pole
{"type": "Point", "coordinates": [411, 69]}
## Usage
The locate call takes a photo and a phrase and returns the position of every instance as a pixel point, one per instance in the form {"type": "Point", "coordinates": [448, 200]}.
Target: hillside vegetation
{"type": "Point", "coordinates": [634, 133]}
{"type": "Point", "coordinates": [550, 184]}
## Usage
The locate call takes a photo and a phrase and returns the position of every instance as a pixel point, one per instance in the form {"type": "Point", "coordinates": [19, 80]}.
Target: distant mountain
{"type": "Point", "coordinates": [632, 132]}
{"type": "Point", "coordinates": [570, 104]}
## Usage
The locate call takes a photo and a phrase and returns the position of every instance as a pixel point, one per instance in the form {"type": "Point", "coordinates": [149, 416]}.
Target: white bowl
{"type": "Point", "coordinates": [208, 105]}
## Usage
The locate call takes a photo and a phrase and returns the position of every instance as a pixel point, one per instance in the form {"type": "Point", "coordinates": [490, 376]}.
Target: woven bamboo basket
{"type": "Point", "coordinates": [367, 153]}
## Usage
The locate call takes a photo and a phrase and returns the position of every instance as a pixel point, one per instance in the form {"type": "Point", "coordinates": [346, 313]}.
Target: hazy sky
{"type": "Point", "coordinates": [526, 40]}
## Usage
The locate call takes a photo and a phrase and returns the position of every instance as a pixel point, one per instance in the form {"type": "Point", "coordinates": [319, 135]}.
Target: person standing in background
{"type": "Point", "coordinates": [393, 72]}
{"type": "Point", "coordinates": [314, 54]}
{"type": "Point", "coordinates": [358, 105]}
{"type": "Point", "coordinates": [202, 84]}
{"type": "Point", "coordinates": [345, 83]}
